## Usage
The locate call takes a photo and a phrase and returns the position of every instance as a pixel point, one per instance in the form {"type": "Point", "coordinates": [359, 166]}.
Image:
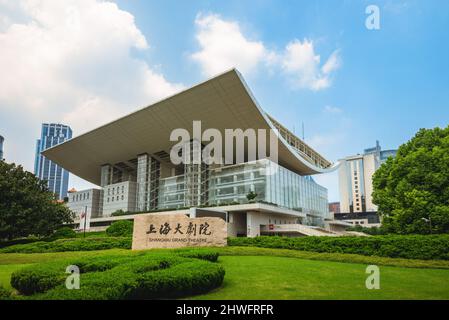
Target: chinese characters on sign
{"type": "Point", "coordinates": [190, 229]}
{"type": "Point", "coordinates": [171, 231]}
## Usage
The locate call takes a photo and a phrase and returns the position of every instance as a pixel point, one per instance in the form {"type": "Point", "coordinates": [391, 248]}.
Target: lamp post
{"type": "Point", "coordinates": [430, 223]}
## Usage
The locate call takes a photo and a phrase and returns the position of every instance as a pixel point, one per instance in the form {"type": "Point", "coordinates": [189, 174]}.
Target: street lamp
{"type": "Point", "coordinates": [430, 223]}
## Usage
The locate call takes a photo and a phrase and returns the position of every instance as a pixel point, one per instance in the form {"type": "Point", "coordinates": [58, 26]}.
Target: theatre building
{"type": "Point", "coordinates": [129, 159]}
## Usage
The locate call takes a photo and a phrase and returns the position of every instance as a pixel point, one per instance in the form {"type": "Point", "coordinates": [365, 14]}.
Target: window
{"type": "Point", "coordinates": [117, 198]}
{"type": "Point", "coordinates": [123, 197]}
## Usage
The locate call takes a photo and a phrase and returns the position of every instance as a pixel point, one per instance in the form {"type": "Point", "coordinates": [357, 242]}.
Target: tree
{"type": "Point", "coordinates": [412, 189]}
{"type": "Point", "coordinates": [251, 196]}
{"type": "Point", "coordinates": [27, 207]}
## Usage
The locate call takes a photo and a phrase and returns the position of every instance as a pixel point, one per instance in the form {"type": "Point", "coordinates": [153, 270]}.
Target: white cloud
{"type": "Point", "coordinates": [303, 65]}
{"type": "Point", "coordinates": [222, 45]}
{"type": "Point", "coordinates": [69, 61]}
{"type": "Point", "coordinates": [331, 110]}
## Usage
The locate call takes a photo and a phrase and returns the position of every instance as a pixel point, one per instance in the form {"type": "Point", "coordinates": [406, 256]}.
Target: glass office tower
{"type": "Point", "coordinates": [56, 177]}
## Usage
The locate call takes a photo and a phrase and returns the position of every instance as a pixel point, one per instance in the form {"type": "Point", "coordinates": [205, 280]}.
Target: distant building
{"type": "Point", "coordinates": [79, 201]}
{"type": "Point", "coordinates": [120, 196]}
{"type": "Point", "coordinates": [355, 179]}
{"type": "Point", "coordinates": [57, 177]}
{"type": "Point", "coordinates": [1, 147]}
{"type": "Point", "coordinates": [364, 219]}
{"type": "Point", "coordinates": [334, 207]}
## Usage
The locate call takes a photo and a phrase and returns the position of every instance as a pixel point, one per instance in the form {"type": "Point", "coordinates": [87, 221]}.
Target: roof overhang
{"type": "Point", "coordinates": [223, 102]}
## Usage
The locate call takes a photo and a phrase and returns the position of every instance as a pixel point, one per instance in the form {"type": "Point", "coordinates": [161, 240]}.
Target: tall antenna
{"type": "Point", "coordinates": [303, 137]}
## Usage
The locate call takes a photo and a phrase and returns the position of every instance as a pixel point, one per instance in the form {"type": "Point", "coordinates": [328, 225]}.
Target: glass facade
{"type": "Point", "coordinates": [199, 185]}
{"type": "Point", "coordinates": [272, 183]}
{"type": "Point", "coordinates": [172, 192]}
{"type": "Point", "coordinates": [56, 177]}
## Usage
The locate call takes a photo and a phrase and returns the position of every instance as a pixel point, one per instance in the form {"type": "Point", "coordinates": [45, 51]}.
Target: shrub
{"type": "Point", "coordinates": [203, 254]}
{"type": "Point", "coordinates": [123, 228]}
{"type": "Point", "coordinates": [4, 244]}
{"type": "Point", "coordinates": [64, 233]}
{"type": "Point", "coordinates": [119, 213]}
{"type": "Point", "coordinates": [142, 275]}
{"type": "Point", "coordinates": [393, 246]}
{"type": "Point", "coordinates": [60, 245]}
{"type": "Point", "coordinates": [4, 294]}
{"type": "Point", "coordinates": [374, 231]}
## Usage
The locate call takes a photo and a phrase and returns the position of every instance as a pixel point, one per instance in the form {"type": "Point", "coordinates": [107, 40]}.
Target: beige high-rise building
{"type": "Point", "coordinates": [355, 179]}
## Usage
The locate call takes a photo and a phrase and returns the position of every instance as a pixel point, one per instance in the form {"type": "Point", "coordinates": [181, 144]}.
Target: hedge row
{"type": "Point", "coordinates": [87, 244]}
{"type": "Point", "coordinates": [424, 247]}
{"type": "Point", "coordinates": [142, 275]}
{"type": "Point", "coordinates": [123, 228]}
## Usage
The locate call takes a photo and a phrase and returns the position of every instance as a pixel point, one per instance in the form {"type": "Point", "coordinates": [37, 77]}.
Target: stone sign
{"type": "Point", "coordinates": [177, 230]}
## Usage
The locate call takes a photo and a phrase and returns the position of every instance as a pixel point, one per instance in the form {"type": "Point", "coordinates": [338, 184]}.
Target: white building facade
{"type": "Point", "coordinates": [356, 179]}
{"type": "Point", "coordinates": [86, 201]}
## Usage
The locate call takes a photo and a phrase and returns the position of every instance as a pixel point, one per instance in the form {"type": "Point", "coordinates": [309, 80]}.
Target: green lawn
{"type": "Point", "coordinates": [258, 273]}
{"type": "Point", "coordinates": [265, 277]}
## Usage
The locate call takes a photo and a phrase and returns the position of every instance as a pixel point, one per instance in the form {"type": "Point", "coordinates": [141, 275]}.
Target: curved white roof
{"type": "Point", "coordinates": [223, 102]}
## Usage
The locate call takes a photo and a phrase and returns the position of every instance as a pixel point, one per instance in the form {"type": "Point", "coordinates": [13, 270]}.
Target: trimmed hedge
{"type": "Point", "coordinates": [8, 243]}
{"type": "Point", "coordinates": [63, 233]}
{"type": "Point", "coordinates": [143, 275]}
{"type": "Point", "coordinates": [424, 247]}
{"type": "Point", "coordinates": [87, 244]}
{"type": "Point", "coordinates": [123, 228]}
{"type": "Point", "coordinates": [4, 294]}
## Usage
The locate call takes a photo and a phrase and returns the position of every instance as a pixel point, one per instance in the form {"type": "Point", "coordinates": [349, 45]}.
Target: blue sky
{"type": "Point", "coordinates": [383, 84]}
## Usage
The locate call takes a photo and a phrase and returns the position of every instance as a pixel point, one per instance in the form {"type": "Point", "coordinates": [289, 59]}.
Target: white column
{"type": "Point", "coordinates": [252, 224]}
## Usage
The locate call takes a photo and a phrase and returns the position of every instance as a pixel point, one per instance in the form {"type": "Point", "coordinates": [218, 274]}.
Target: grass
{"type": "Point", "coordinates": [336, 257]}
{"type": "Point", "coordinates": [93, 234]}
{"type": "Point", "coordinates": [262, 273]}
{"type": "Point", "coordinates": [268, 278]}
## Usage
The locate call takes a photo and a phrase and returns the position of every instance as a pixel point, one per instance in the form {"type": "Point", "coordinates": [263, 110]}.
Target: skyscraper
{"type": "Point", "coordinates": [355, 179]}
{"type": "Point", "coordinates": [1, 147]}
{"type": "Point", "coordinates": [57, 177]}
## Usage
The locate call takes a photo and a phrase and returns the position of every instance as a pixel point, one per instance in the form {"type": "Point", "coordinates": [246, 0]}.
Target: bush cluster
{"type": "Point", "coordinates": [122, 228]}
{"type": "Point", "coordinates": [393, 246]}
{"type": "Point", "coordinates": [63, 233]}
{"type": "Point", "coordinates": [77, 244]}
{"type": "Point", "coordinates": [143, 275]}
